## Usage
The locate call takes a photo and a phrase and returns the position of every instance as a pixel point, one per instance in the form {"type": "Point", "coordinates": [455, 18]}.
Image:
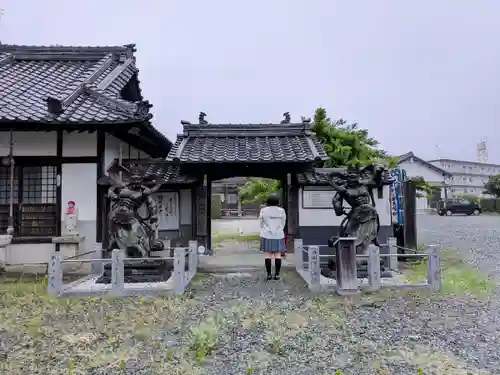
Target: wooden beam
{"type": "Point", "coordinates": [60, 139]}
{"type": "Point", "coordinates": [109, 101]}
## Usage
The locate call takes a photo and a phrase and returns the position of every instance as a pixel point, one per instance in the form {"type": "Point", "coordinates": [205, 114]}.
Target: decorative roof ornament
{"type": "Point", "coordinates": [142, 109]}
{"type": "Point", "coordinates": [201, 118]}
{"type": "Point", "coordinates": [287, 118]}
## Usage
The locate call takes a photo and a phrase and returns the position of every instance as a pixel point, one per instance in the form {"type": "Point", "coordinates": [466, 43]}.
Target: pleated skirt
{"type": "Point", "coordinates": [268, 245]}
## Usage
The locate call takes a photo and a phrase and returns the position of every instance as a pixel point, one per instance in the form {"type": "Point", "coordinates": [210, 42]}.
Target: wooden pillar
{"type": "Point", "coordinates": [410, 215]}
{"type": "Point", "coordinates": [202, 212]}
{"type": "Point", "coordinates": [293, 211]}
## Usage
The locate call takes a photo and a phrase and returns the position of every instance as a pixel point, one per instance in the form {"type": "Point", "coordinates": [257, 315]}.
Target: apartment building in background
{"type": "Point", "coordinates": [467, 177]}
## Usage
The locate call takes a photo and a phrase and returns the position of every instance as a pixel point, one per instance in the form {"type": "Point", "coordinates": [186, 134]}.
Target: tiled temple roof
{"type": "Point", "coordinates": [68, 84]}
{"type": "Point", "coordinates": [246, 143]}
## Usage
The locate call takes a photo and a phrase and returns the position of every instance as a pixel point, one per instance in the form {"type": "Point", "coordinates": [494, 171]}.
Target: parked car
{"type": "Point", "coordinates": [458, 206]}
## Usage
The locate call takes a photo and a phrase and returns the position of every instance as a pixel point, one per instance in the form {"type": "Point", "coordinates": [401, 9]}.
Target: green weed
{"type": "Point", "coordinates": [458, 277]}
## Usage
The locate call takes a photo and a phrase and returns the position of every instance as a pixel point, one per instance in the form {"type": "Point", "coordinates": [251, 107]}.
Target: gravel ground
{"type": "Point", "coordinates": [247, 325]}
{"type": "Point", "coordinates": [476, 237]}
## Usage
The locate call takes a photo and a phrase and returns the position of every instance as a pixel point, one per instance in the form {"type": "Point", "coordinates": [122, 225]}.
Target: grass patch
{"type": "Point", "coordinates": [43, 334]}
{"type": "Point", "coordinates": [223, 236]}
{"type": "Point", "coordinates": [181, 335]}
{"type": "Point", "coordinates": [459, 277]}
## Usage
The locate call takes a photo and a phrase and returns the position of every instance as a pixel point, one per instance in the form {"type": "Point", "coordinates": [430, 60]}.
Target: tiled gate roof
{"type": "Point", "coordinates": [68, 84]}
{"type": "Point", "coordinates": [246, 143]}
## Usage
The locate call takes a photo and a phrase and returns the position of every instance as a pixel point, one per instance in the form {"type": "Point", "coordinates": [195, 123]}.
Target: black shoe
{"type": "Point", "coordinates": [276, 277]}
{"type": "Point", "coordinates": [269, 277]}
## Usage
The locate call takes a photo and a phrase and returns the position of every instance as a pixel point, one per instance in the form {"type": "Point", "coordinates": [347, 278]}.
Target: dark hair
{"type": "Point", "coordinates": [273, 200]}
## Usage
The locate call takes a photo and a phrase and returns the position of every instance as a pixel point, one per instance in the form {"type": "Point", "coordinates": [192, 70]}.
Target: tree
{"type": "Point", "coordinates": [347, 144]}
{"type": "Point", "coordinates": [257, 190]}
{"type": "Point", "coordinates": [422, 187]}
{"type": "Point", "coordinates": [492, 187]}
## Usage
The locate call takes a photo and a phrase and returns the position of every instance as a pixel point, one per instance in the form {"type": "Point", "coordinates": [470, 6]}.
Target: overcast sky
{"type": "Point", "coordinates": [417, 74]}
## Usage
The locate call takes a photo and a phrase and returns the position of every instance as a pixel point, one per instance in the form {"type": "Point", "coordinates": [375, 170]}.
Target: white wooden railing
{"type": "Point", "coordinates": [181, 275]}
{"type": "Point", "coordinates": [348, 282]}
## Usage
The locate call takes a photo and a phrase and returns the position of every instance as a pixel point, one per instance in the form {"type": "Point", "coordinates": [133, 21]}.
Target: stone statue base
{"type": "Point", "coordinates": [362, 269]}
{"type": "Point", "coordinates": [141, 271]}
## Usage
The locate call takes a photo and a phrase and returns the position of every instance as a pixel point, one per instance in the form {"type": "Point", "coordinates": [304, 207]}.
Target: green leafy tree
{"type": "Point", "coordinates": [492, 187]}
{"type": "Point", "coordinates": [423, 188]}
{"type": "Point", "coordinates": [257, 190]}
{"type": "Point", "coordinates": [347, 144]}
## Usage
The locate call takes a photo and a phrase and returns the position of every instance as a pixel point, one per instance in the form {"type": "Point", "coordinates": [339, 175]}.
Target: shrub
{"type": "Point", "coordinates": [488, 204]}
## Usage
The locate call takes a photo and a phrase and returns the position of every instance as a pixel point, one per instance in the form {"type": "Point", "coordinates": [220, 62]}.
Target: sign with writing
{"type": "Point", "coordinates": [399, 176]}
{"type": "Point", "coordinates": [317, 198]}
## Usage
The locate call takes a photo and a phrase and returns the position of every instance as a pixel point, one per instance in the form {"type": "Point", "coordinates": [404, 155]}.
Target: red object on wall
{"type": "Point", "coordinates": [71, 208]}
{"type": "Point", "coordinates": [286, 240]}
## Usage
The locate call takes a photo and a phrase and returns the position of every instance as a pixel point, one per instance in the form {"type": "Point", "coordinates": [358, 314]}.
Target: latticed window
{"type": "Point", "coordinates": [34, 199]}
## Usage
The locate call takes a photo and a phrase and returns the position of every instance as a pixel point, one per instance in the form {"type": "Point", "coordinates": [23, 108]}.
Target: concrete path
{"type": "Point", "coordinates": [235, 225]}
{"type": "Point", "coordinates": [233, 256]}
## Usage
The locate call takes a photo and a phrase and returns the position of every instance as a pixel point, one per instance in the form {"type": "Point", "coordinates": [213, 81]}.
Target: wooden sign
{"type": "Point", "coordinates": [317, 198]}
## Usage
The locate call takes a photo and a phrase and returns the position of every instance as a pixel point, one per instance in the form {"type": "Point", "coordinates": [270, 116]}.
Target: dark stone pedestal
{"type": "Point", "coordinates": [141, 272]}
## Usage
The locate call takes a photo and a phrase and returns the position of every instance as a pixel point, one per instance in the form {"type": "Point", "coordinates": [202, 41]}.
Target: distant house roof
{"type": "Point", "coordinates": [411, 156]}
{"type": "Point", "coordinates": [246, 143]}
{"type": "Point", "coordinates": [72, 86]}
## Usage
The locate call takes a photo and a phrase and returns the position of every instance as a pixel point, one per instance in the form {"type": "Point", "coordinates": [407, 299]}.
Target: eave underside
{"type": "Point", "coordinates": [219, 171]}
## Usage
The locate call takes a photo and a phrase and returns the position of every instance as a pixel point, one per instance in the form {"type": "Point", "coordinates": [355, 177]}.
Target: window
{"type": "Point", "coordinates": [232, 198]}
{"type": "Point", "coordinates": [34, 199]}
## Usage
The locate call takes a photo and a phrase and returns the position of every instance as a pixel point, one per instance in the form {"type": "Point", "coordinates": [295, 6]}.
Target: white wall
{"type": "Point", "coordinates": [79, 144]}
{"type": "Point", "coordinates": [21, 254]}
{"type": "Point", "coordinates": [132, 153]}
{"type": "Point", "coordinates": [79, 185]}
{"type": "Point", "coordinates": [168, 204]}
{"type": "Point", "coordinates": [111, 150]}
{"type": "Point", "coordinates": [418, 169]}
{"type": "Point", "coordinates": [320, 217]}
{"type": "Point", "coordinates": [29, 143]}
{"type": "Point", "coordinates": [185, 207]}
{"type": "Point", "coordinates": [468, 167]}
{"type": "Point", "coordinates": [421, 203]}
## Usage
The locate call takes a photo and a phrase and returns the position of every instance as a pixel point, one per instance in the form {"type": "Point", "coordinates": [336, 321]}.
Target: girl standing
{"type": "Point", "coordinates": [272, 235]}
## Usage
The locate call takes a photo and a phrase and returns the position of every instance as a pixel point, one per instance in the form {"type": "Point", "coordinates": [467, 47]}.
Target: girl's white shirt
{"type": "Point", "coordinates": [272, 222]}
